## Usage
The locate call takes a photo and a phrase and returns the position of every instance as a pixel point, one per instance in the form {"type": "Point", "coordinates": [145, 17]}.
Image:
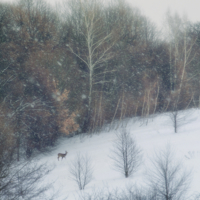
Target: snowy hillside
{"type": "Point", "coordinates": [151, 136]}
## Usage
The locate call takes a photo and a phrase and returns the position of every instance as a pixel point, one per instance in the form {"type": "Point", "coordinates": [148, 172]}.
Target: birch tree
{"type": "Point", "coordinates": [181, 54]}
{"type": "Point", "coordinates": [95, 43]}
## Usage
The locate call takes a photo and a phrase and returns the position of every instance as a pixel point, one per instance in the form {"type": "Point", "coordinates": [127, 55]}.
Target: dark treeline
{"type": "Point", "coordinates": [87, 65]}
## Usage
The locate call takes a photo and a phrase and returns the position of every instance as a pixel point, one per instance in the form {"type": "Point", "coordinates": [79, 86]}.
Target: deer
{"type": "Point", "coordinates": [62, 155]}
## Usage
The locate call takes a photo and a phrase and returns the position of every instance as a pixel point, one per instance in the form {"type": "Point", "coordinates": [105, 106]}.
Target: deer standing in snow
{"type": "Point", "coordinates": [62, 155]}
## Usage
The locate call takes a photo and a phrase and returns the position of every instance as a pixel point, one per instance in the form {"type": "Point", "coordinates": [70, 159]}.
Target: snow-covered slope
{"type": "Point", "coordinates": [151, 136]}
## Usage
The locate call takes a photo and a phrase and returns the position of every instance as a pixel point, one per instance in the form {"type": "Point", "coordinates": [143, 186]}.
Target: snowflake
{"type": "Point", "coordinates": [59, 63]}
{"type": "Point", "coordinates": [83, 96]}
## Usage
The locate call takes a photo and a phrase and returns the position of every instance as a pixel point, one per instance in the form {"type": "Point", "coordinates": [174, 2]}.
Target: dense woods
{"type": "Point", "coordinates": [88, 64]}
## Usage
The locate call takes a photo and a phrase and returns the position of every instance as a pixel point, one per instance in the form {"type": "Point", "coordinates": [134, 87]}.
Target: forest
{"type": "Point", "coordinates": [74, 69]}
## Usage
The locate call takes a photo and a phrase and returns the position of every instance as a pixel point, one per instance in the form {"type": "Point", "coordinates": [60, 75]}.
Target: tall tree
{"type": "Point", "coordinates": [181, 54]}
{"type": "Point", "coordinates": [28, 89]}
{"type": "Point", "coordinates": [94, 49]}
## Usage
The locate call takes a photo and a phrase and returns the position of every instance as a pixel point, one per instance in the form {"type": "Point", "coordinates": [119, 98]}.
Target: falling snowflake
{"type": "Point", "coordinates": [59, 63]}
{"type": "Point", "coordinates": [83, 96]}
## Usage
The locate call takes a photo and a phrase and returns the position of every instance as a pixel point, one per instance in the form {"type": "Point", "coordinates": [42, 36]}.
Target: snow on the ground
{"type": "Point", "coordinates": [152, 135]}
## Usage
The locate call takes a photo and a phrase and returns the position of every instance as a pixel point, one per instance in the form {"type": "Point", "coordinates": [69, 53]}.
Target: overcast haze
{"type": "Point", "coordinates": [156, 9]}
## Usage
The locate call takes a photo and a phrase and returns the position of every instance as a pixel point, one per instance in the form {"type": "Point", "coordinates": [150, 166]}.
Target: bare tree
{"type": "Point", "coordinates": [96, 194]}
{"type": "Point", "coordinates": [182, 53]}
{"type": "Point", "coordinates": [130, 192]}
{"type": "Point", "coordinates": [174, 119]}
{"type": "Point", "coordinates": [180, 118]}
{"type": "Point", "coordinates": [19, 179]}
{"type": "Point", "coordinates": [125, 154]}
{"type": "Point", "coordinates": [81, 170]}
{"type": "Point", "coordinates": [23, 181]}
{"type": "Point", "coordinates": [94, 49]}
{"type": "Point", "coordinates": [168, 177]}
